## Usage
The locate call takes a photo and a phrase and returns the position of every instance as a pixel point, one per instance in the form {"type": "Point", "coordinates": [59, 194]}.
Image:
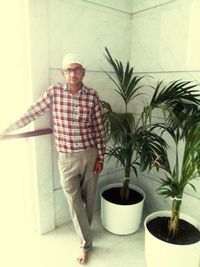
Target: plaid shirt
{"type": "Point", "coordinates": [77, 119]}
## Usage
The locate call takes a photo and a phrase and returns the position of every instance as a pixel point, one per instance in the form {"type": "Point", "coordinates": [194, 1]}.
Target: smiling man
{"type": "Point", "coordinates": [80, 141]}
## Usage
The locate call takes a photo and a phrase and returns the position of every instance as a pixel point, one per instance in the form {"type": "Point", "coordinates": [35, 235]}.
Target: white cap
{"type": "Point", "coordinates": [70, 59]}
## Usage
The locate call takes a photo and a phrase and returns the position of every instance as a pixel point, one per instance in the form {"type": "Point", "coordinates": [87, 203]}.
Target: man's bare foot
{"type": "Point", "coordinates": [83, 258]}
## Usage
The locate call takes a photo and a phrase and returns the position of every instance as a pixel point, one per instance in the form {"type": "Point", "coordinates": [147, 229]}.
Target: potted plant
{"type": "Point", "coordinates": [174, 236]}
{"type": "Point", "coordinates": [134, 145]}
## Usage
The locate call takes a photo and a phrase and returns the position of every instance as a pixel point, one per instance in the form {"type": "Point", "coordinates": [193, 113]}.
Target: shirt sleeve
{"type": "Point", "coordinates": [99, 129]}
{"type": "Point", "coordinates": [37, 109]}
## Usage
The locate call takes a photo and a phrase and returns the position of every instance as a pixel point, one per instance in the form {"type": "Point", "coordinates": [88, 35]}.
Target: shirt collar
{"type": "Point", "coordinates": [82, 90]}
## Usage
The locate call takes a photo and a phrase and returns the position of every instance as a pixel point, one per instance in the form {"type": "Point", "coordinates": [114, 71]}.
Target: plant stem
{"type": "Point", "coordinates": [125, 189]}
{"type": "Point", "coordinates": [126, 181]}
{"type": "Point", "coordinates": [174, 220]}
{"type": "Point", "coordinates": [126, 107]}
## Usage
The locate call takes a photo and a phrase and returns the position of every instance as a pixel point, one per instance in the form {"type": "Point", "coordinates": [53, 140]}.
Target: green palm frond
{"type": "Point", "coordinates": [153, 151]}
{"type": "Point", "coordinates": [169, 187]}
{"type": "Point", "coordinates": [173, 93]}
{"type": "Point", "coordinates": [126, 82]}
{"type": "Point", "coordinates": [189, 168]}
{"type": "Point", "coordinates": [191, 159]}
{"type": "Point", "coordinates": [120, 125]}
{"type": "Point", "coordinates": [175, 98]}
{"type": "Point", "coordinates": [150, 148]}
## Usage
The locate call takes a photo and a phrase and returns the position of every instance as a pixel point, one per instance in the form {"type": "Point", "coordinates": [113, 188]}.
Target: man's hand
{"type": "Point", "coordinates": [1, 137]}
{"type": "Point", "coordinates": [98, 167]}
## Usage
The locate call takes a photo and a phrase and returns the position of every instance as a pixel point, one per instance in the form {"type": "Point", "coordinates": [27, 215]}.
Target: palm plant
{"type": "Point", "coordinates": [132, 143]}
{"type": "Point", "coordinates": [179, 101]}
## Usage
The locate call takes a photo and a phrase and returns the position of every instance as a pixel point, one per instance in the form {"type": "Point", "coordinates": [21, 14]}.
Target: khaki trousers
{"type": "Point", "coordinates": [79, 182]}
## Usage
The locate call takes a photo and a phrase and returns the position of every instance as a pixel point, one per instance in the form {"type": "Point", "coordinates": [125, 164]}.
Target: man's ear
{"type": "Point", "coordinates": [62, 72]}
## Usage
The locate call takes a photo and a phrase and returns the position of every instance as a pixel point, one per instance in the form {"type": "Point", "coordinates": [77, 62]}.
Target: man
{"type": "Point", "coordinates": [80, 142]}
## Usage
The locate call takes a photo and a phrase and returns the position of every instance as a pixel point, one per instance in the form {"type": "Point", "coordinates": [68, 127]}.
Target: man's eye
{"type": "Point", "coordinates": [76, 70]}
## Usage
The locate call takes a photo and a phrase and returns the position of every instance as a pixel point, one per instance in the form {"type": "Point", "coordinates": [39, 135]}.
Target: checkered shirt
{"type": "Point", "coordinates": [76, 119]}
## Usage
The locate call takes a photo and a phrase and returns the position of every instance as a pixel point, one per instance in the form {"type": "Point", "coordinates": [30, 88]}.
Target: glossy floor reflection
{"type": "Point", "coordinates": [61, 248]}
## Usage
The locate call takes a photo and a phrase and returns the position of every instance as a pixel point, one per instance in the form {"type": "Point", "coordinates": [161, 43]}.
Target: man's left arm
{"type": "Point", "coordinates": [99, 131]}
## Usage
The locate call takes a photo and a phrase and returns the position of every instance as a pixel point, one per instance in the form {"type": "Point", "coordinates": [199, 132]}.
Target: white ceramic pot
{"type": "Point", "coordinates": [121, 219]}
{"type": "Point", "coordinates": [160, 253]}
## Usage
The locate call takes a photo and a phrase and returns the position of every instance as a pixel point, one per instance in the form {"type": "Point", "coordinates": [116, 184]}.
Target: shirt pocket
{"type": "Point", "coordinates": [84, 113]}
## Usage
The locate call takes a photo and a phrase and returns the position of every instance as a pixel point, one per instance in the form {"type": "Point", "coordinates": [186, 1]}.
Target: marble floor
{"type": "Point", "coordinates": [61, 247]}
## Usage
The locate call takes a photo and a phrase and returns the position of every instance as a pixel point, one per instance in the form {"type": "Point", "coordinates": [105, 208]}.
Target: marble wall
{"type": "Point", "coordinates": [164, 45]}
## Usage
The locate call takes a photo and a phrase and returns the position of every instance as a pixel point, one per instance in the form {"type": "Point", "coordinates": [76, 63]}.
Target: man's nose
{"type": "Point", "coordinates": [72, 73]}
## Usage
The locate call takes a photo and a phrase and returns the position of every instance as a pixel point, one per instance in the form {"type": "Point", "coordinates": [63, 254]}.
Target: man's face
{"type": "Point", "coordinates": [74, 74]}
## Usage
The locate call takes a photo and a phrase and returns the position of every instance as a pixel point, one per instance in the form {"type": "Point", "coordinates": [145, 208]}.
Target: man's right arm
{"type": "Point", "coordinates": [1, 137]}
{"type": "Point", "coordinates": [36, 110]}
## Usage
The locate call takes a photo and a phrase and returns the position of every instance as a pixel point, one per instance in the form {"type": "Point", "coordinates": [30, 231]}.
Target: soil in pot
{"type": "Point", "coordinates": [113, 195]}
{"type": "Point", "coordinates": [188, 234]}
